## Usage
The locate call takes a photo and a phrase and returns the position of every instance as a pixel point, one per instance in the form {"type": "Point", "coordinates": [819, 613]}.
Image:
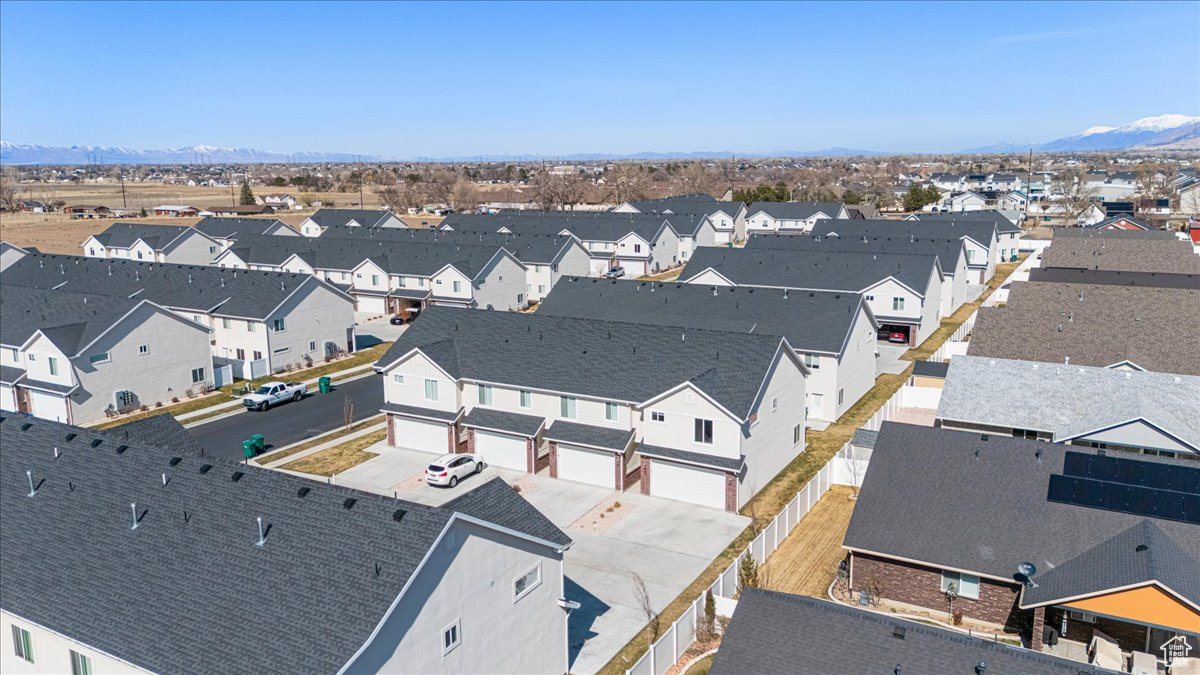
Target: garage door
{"type": "Point", "coordinates": [421, 435]}
{"type": "Point", "coordinates": [8, 398]}
{"type": "Point", "coordinates": [371, 304]}
{"type": "Point", "coordinates": [694, 484]}
{"type": "Point", "coordinates": [599, 266]}
{"type": "Point", "coordinates": [501, 450]}
{"type": "Point", "coordinates": [48, 406]}
{"type": "Point", "coordinates": [633, 268]}
{"type": "Point", "coordinates": [584, 465]}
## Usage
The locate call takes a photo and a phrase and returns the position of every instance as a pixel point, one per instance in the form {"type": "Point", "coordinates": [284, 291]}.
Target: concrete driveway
{"type": "Point", "coordinates": [617, 535]}
{"type": "Point", "coordinates": [888, 359]}
{"type": "Point", "coordinates": [371, 333]}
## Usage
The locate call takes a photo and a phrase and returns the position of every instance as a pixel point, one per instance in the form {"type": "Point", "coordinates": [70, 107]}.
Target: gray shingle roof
{"type": "Point", "coordinates": [794, 210]}
{"type": "Point", "coordinates": [339, 217]}
{"type": "Point", "coordinates": [528, 247]}
{"type": "Point", "coordinates": [1089, 233]}
{"type": "Point", "coordinates": [238, 293]}
{"type": "Point", "coordinates": [69, 320]}
{"type": "Point", "coordinates": [1067, 401]}
{"type": "Point", "coordinates": [587, 225]}
{"type": "Point", "coordinates": [589, 435]}
{"type": "Point", "coordinates": [949, 251]}
{"type": "Point", "coordinates": [929, 497]}
{"type": "Point", "coordinates": [1002, 223]}
{"type": "Point", "coordinates": [499, 420]}
{"type": "Point", "coordinates": [162, 431]}
{"type": "Point", "coordinates": [190, 574]}
{"type": "Point", "coordinates": [780, 633]}
{"type": "Point", "coordinates": [1144, 225]}
{"type": "Point", "coordinates": [930, 368]}
{"type": "Point", "coordinates": [1093, 326]}
{"type": "Point", "coordinates": [813, 321]}
{"type": "Point", "coordinates": [124, 235]}
{"type": "Point", "coordinates": [10, 374]}
{"type": "Point", "coordinates": [864, 438]}
{"type": "Point", "coordinates": [695, 203]}
{"type": "Point", "coordinates": [704, 459]}
{"type": "Point", "coordinates": [1123, 254]}
{"type": "Point", "coordinates": [982, 232]}
{"type": "Point", "coordinates": [231, 228]}
{"type": "Point", "coordinates": [1115, 278]}
{"type": "Point", "coordinates": [818, 270]}
{"type": "Point", "coordinates": [578, 355]}
{"type": "Point", "coordinates": [415, 411]}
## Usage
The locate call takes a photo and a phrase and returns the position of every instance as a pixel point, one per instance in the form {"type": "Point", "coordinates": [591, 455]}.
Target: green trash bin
{"type": "Point", "coordinates": [324, 383]}
{"type": "Point", "coordinates": [249, 449]}
{"type": "Point", "coordinates": [259, 442]}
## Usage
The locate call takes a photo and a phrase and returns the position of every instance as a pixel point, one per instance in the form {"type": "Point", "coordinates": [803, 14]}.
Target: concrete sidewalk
{"type": "Point", "coordinates": [237, 401]}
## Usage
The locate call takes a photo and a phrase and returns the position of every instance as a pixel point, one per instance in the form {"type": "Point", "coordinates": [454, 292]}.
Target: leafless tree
{"type": "Point", "coordinates": [348, 413]}
{"type": "Point", "coordinates": [694, 178]}
{"type": "Point", "coordinates": [554, 192]}
{"type": "Point", "coordinates": [626, 182]}
{"type": "Point", "coordinates": [854, 465]}
{"type": "Point", "coordinates": [8, 189]}
{"type": "Point", "coordinates": [642, 594]}
{"type": "Point", "coordinates": [1075, 196]}
{"type": "Point", "coordinates": [464, 196]}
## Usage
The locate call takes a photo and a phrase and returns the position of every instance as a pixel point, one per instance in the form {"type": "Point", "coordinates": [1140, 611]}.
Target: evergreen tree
{"type": "Point", "coordinates": [747, 574]}
{"type": "Point", "coordinates": [852, 197]}
{"type": "Point", "coordinates": [247, 198]}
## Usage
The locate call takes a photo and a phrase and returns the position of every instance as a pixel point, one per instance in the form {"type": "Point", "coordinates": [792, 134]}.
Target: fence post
{"type": "Point", "coordinates": [675, 640]}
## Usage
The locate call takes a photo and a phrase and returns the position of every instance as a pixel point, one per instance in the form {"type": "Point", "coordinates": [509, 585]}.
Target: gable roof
{"type": "Point", "coordinates": [794, 210]}
{"type": "Point", "coordinates": [1003, 224]}
{"type": "Point", "coordinates": [125, 235]}
{"type": "Point", "coordinates": [1067, 401]}
{"type": "Point", "coordinates": [1137, 222]}
{"type": "Point", "coordinates": [981, 232]}
{"type": "Point", "coordinates": [340, 217]}
{"type": "Point", "coordinates": [819, 270]}
{"type": "Point", "coordinates": [949, 251]}
{"type": "Point", "coordinates": [528, 247]}
{"type": "Point", "coordinates": [161, 431]}
{"type": "Point", "coordinates": [225, 292]}
{"type": "Point", "coordinates": [70, 320]}
{"type": "Point", "coordinates": [1092, 326]}
{"type": "Point", "coordinates": [191, 572]}
{"type": "Point", "coordinates": [586, 225]}
{"type": "Point", "coordinates": [813, 321]}
{"type": "Point", "coordinates": [953, 500]}
{"type": "Point", "coordinates": [576, 356]}
{"type": "Point", "coordinates": [691, 203]}
{"type": "Point", "coordinates": [229, 228]}
{"type": "Point", "coordinates": [773, 632]}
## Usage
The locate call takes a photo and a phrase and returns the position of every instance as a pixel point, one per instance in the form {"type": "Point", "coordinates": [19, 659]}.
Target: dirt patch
{"type": "Point", "coordinates": [600, 519]}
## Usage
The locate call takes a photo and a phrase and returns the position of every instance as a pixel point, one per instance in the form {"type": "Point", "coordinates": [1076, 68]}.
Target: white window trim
{"type": "Point", "coordinates": [397, 378]}
{"type": "Point", "coordinates": [958, 584]}
{"type": "Point", "coordinates": [427, 389]}
{"type": "Point", "coordinates": [107, 358]}
{"type": "Point", "coordinates": [457, 626]}
{"type": "Point", "coordinates": [658, 417]}
{"type": "Point", "coordinates": [143, 350]}
{"type": "Point", "coordinates": [525, 399]}
{"type": "Point", "coordinates": [616, 411]}
{"type": "Point", "coordinates": [529, 589]}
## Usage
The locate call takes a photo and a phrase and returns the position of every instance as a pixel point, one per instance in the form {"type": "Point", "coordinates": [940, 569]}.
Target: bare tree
{"type": "Point", "coordinates": [626, 182]}
{"type": "Point", "coordinates": [855, 468]}
{"type": "Point", "coordinates": [1074, 196]}
{"type": "Point", "coordinates": [347, 413]}
{"type": "Point", "coordinates": [555, 192]}
{"type": "Point", "coordinates": [464, 195]}
{"type": "Point", "coordinates": [643, 599]}
{"type": "Point", "coordinates": [8, 189]}
{"type": "Point", "coordinates": [694, 178]}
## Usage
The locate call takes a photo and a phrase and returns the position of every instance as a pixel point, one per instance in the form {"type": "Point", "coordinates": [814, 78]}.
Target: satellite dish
{"type": "Point", "coordinates": [1027, 569]}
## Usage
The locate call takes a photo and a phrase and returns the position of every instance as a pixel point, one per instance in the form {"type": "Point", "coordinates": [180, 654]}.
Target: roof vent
{"type": "Point", "coordinates": [25, 426]}
{"type": "Point", "coordinates": [237, 475]}
{"type": "Point", "coordinates": [175, 461]}
{"type": "Point", "coordinates": [398, 515]}
{"type": "Point", "coordinates": [1141, 548]}
{"type": "Point", "coordinates": [96, 442]}
{"type": "Point", "coordinates": [898, 632]}
{"type": "Point", "coordinates": [983, 437]}
{"type": "Point", "coordinates": [121, 449]}
{"type": "Point", "coordinates": [205, 468]}
{"type": "Point", "coordinates": [133, 509]}
{"type": "Point", "coordinates": [71, 436]}
{"type": "Point", "coordinates": [262, 534]}
{"type": "Point", "coordinates": [349, 503]}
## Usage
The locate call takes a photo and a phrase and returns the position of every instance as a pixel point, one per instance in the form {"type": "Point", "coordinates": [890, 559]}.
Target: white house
{"type": "Point", "coordinates": [153, 243]}
{"type": "Point", "coordinates": [317, 223]}
{"type": "Point", "coordinates": [727, 218]}
{"type": "Point", "coordinates": [791, 216]}
{"type": "Point", "coordinates": [692, 414]}
{"type": "Point", "coordinates": [476, 585]}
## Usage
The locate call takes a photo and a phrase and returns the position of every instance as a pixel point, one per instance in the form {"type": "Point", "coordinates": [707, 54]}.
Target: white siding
{"type": "Point", "coordinates": [51, 652]}
{"type": "Point", "coordinates": [415, 370]}
{"type": "Point", "coordinates": [769, 442]}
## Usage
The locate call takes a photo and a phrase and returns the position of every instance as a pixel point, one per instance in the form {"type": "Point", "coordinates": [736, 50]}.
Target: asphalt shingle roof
{"type": "Point", "coordinates": [813, 321]}
{"type": "Point", "coordinates": [339, 217]}
{"type": "Point", "coordinates": [162, 431]}
{"type": "Point", "coordinates": [951, 499]}
{"type": "Point", "coordinates": [499, 420]}
{"type": "Point", "coordinates": [775, 632]}
{"type": "Point", "coordinates": [528, 247]}
{"type": "Point", "coordinates": [578, 355]}
{"type": "Point", "coordinates": [1068, 401]}
{"type": "Point", "coordinates": [1124, 254]}
{"type": "Point", "coordinates": [1002, 223]}
{"type": "Point", "coordinates": [237, 293]}
{"type": "Point", "coordinates": [1093, 326]}
{"type": "Point", "coordinates": [794, 210]}
{"type": "Point", "coordinates": [231, 228]}
{"type": "Point", "coordinates": [728, 463]}
{"type": "Point", "coordinates": [948, 251]}
{"type": "Point", "coordinates": [1115, 278]}
{"type": "Point", "coordinates": [70, 320]}
{"type": "Point", "coordinates": [587, 225]}
{"type": "Point", "coordinates": [124, 235]}
{"type": "Point", "coordinates": [590, 435]}
{"type": "Point", "coordinates": [813, 270]}
{"type": "Point", "coordinates": [190, 574]}
{"type": "Point", "coordinates": [981, 232]}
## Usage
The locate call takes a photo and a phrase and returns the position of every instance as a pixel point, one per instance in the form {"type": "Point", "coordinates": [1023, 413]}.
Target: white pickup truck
{"type": "Point", "coordinates": [274, 392]}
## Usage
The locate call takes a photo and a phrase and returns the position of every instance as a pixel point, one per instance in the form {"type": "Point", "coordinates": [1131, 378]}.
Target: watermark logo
{"type": "Point", "coordinates": [1177, 649]}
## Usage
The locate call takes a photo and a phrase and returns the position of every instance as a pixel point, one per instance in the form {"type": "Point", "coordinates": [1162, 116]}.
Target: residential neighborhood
{"type": "Point", "coordinates": [516, 350]}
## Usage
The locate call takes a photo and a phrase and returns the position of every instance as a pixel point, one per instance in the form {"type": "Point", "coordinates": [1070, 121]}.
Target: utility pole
{"type": "Point", "coordinates": [124, 201]}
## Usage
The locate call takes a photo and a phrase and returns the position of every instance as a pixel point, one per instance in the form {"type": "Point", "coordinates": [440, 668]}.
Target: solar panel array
{"type": "Point", "coordinates": [1153, 489]}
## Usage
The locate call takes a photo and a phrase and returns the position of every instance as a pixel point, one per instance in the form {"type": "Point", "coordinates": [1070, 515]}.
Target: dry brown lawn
{"type": "Point", "coordinates": [338, 458]}
{"type": "Point", "coordinates": [807, 560]}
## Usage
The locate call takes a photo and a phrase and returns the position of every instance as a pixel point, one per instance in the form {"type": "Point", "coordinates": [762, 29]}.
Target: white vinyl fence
{"type": "Point", "coordinates": [676, 639]}
{"type": "Point", "coordinates": [957, 344]}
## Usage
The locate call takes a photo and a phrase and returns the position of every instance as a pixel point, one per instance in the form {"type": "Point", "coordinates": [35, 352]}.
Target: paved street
{"type": "Point", "coordinates": [292, 422]}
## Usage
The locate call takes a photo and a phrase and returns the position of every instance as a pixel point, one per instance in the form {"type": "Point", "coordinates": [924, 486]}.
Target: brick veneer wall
{"type": "Point", "coordinates": [619, 472]}
{"type": "Point", "coordinates": [470, 440]}
{"type": "Point", "coordinates": [921, 585]}
{"type": "Point", "coordinates": [452, 440]}
{"type": "Point", "coordinates": [530, 456]}
{"type": "Point", "coordinates": [1130, 637]}
{"type": "Point", "coordinates": [645, 477]}
{"type": "Point", "coordinates": [391, 429]}
{"type": "Point", "coordinates": [731, 492]}
{"type": "Point", "coordinates": [553, 459]}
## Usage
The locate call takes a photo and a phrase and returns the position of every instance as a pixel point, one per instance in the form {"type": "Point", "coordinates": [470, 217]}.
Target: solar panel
{"type": "Point", "coordinates": [1129, 471]}
{"type": "Point", "coordinates": [1132, 499]}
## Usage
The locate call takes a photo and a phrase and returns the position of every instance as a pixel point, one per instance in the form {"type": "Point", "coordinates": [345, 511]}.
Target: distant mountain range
{"type": "Point", "coordinates": [1162, 132]}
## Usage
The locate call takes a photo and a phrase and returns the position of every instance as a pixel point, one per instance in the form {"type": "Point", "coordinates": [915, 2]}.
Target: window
{"type": "Point", "coordinates": [278, 326]}
{"type": "Point", "coordinates": [610, 411]}
{"type": "Point", "coordinates": [797, 434]}
{"type": "Point", "coordinates": [398, 378]}
{"type": "Point", "coordinates": [456, 286]}
{"type": "Point", "coordinates": [541, 289]}
{"type": "Point", "coordinates": [704, 431]}
{"type": "Point", "coordinates": [312, 345]}
{"type": "Point", "coordinates": [485, 394]}
{"type": "Point", "coordinates": [637, 248]}
{"type": "Point", "coordinates": [898, 304]}
{"type": "Point", "coordinates": [1074, 615]}
{"type": "Point", "coordinates": [14, 354]}
{"type": "Point", "coordinates": [566, 407]}
{"type": "Point", "coordinates": [102, 357]}
{"type": "Point", "coordinates": [841, 396]}
{"type": "Point", "coordinates": [964, 585]}
{"type": "Point", "coordinates": [22, 643]}
{"type": "Point", "coordinates": [402, 283]}
{"type": "Point", "coordinates": [197, 375]}
{"type": "Point", "coordinates": [870, 298]}
{"type": "Point", "coordinates": [212, 249]}
{"type": "Point", "coordinates": [526, 399]}
{"type": "Point", "coordinates": [281, 350]}
{"type": "Point", "coordinates": [80, 664]}
{"type": "Point", "coordinates": [257, 355]}
{"type": "Point", "coordinates": [53, 365]}
{"type": "Point", "coordinates": [658, 417]}
{"type": "Point", "coordinates": [249, 326]}
{"type": "Point", "coordinates": [451, 637]}
{"type": "Point", "coordinates": [431, 390]}
{"type": "Point", "coordinates": [812, 361]}
{"type": "Point", "coordinates": [226, 323]}
{"type": "Point", "coordinates": [525, 583]}
{"type": "Point", "coordinates": [774, 404]}
{"type": "Point", "coordinates": [241, 354]}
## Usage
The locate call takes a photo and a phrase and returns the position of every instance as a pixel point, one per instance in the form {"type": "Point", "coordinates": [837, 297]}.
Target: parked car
{"type": "Point", "coordinates": [898, 337]}
{"type": "Point", "coordinates": [615, 273]}
{"type": "Point", "coordinates": [274, 392]}
{"type": "Point", "coordinates": [401, 319]}
{"type": "Point", "coordinates": [448, 469]}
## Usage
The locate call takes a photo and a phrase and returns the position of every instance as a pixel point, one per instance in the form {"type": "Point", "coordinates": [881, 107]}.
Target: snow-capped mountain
{"type": "Point", "coordinates": [1161, 132]}
{"type": "Point", "coordinates": [14, 153]}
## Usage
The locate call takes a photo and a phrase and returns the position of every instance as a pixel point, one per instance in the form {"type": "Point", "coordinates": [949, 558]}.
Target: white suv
{"type": "Point", "coordinates": [448, 469]}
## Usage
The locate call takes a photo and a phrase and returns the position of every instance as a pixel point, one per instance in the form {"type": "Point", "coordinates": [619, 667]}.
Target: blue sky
{"type": "Point", "coordinates": [407, 80]}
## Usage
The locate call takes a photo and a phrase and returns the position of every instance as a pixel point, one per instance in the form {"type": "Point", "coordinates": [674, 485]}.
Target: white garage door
{"type": "Point", "coordinates": [501, 450]}
{"type": "Point", "coordinates": [48, 406]}
{"type": "Point", "coordinates": [8, 398]}
{"type": "Point", "coordinates": [421, 435]}
{"type": "Point", "coordinates": [722, 237]}
{"type": "Point", "coordinates": [694, 484]}
{"type": "Point", "coordinates": [371, 304]}
{"type": "Point", "coordinates": [584, 465]}
{"type": "Point", "coordinates": [599, 266]}
{"type": "Point", "coordinates": [633, 268]}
